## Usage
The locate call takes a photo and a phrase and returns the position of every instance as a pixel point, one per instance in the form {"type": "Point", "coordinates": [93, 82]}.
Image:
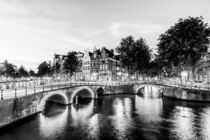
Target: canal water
{"type": "Point", "coordinates": [118, 117]}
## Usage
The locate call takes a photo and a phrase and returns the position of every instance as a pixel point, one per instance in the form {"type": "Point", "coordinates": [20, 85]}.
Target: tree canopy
{"type": "Point", "coordinates": [71, 62]}
{"type": "Point", "coordinates": [183, 44]}
{"type": "Point", "coordinates": [44, 69]}
{"type": "Point", "coordinates": [32, 73]}
{"type": "Point", "coordinates": [23, 72]}
{"type": "Point", "coordinates": [134, 54]}
{"type": "Point", "coordinates": [9, 69]}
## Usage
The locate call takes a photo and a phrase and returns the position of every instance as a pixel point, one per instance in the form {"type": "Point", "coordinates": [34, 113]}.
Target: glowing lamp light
{"type": "Point", "coordinates": [184, 74]}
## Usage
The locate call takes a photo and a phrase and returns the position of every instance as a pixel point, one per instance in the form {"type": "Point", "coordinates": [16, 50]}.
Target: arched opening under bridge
{"type": "Point", "coordinates": [57, 98]}
{"type": "Point", "coordinates": [100, 91]}
{"type": "Point", "coordinates": [81, 94]}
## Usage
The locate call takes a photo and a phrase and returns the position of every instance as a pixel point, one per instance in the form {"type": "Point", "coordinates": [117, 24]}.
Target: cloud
{"type": "Point", "coordinates": [123, 29]}
{"type": "Point", "coordinates": [32, 32]}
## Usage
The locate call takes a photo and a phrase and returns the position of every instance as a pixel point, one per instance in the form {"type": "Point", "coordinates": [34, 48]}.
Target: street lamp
{"type": "Point", "coordinates": [120, 73]}
{"type": "Point", "coordinates": [184, 75]}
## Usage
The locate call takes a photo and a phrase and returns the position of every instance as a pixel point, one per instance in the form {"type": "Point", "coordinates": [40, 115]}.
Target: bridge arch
{"type": "Point", "coordinates": [50, 95]}
{"type": "Point", "coordinates": [139, 88]}
{"type": "Point", "coordinates": [100, 91]}
{"type": "Point", "coordinates": [92, 93]}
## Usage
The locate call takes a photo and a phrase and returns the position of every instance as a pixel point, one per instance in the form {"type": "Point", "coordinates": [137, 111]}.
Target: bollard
{"type": "Point", "coordinates": [2, 95]}
{"type": "Point", "coordinates": [43, 87]}
{"type": "Point", "coordinates": [51, 86]}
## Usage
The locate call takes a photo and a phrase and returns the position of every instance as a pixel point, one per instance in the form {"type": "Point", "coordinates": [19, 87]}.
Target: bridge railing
{"type": "Point", "coordinates": [49, 86]}
{"type": "Point", "coordinates": [188, 85]}
{"type": "Point", "coordinates": [36, 87]}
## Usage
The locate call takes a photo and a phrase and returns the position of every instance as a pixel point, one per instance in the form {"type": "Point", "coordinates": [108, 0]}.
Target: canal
{"type": "Point", "coordinates": [118, 117]}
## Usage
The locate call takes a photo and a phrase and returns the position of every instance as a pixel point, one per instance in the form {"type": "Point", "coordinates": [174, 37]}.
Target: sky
{"type": "Point", "coordinates": [32, 31]}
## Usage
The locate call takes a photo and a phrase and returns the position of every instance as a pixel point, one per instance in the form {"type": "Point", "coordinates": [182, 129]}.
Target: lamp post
{"type": "Point", "coordinates": [120, 74]}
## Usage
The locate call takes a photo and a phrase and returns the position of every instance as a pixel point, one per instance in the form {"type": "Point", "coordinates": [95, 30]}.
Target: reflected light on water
{"type": "Point", "coordinates": [183, 123]}
{"type": "Point", "coordinates": [80, 115]}
{"type": "Point", "coordinates": [85, 118]}
{"type": "Point", "coordinates": [150, 106]}
{"type": "Point", "coordinates": [53, 126]}
{"type": "Point", "coordinates": [121, 119]}
{"type": "Point", "coordinates": [93, 127]}
{"type": "Point", "coordinates": [206, 123]}
{"type": "Point", "coordinates": [151, 92]}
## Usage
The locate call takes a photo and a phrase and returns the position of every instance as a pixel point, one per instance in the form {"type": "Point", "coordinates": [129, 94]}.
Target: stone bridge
{"type": "Point", "coordinates": [139, 87]}
{"type": "Point", "coordinates": [21, 106]}
{"type": "Point", "coordinates": [15, 109]}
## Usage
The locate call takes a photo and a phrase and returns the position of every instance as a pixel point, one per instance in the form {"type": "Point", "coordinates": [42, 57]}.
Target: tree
{"type": "Point", "coordinates": [125, 49]}
{"type": "Point", "coordinates": [23, 72]}
{"type": "Point", "coordinates": [71, 63]}
{"type": "Point", "coordinates": [44, 69]}
{"type": "Point", "coordinates": [182, 45]}
{"type": "Point", "coordinates": [32, 73]}
{"type": "Point", "coordinates": [142, 56]}
{"type": "Point", "coordinates": [9, 69]}
{"type": "Point", "coordinates": [134, 54]}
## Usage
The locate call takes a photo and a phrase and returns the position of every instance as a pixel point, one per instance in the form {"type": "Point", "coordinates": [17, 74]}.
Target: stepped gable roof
{"type": "Point", "coordinates": [91, 54]}
{"type": "Point", "coordinates": [97, 52]}
{"type": "Point", "coordinates": [108, 52]}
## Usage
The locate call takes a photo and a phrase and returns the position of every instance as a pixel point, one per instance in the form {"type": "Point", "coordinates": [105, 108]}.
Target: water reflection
{"type": "Point", "coordinates": [150, 105]}
{"type": "Point", "coordinates": [120, 117]}
{"type": "Point", "coordinates": [205, 123]}
{"type": "Point", "coordinates": [189, 120]}
{"type": "Point", "coordinates": [122, 120]}
{"type": "Point", "coordinates": [80, 113]}
{"type": "Point", "coordinates": [183, 123]}
{"type": "Point", "coordinates": [51, 126]}
{"type": "Point", "coordinates": [83, 116]}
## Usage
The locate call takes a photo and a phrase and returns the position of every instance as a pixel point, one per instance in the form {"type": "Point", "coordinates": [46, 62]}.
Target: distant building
{"type": "Point", "coordinates": [103, 65]}
{"type": "Point", "coordinates": [86, 65]}
{"type": "Point", "coordinates": [78, 74]}
{"type": "Point", "coordinates": [98, 65]}
{"type": "Point", "coordinates": [58, 66]}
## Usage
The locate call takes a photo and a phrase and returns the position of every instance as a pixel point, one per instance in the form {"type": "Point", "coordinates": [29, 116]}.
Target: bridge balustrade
{"type": "Point", "coordinates": [33, 87]}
